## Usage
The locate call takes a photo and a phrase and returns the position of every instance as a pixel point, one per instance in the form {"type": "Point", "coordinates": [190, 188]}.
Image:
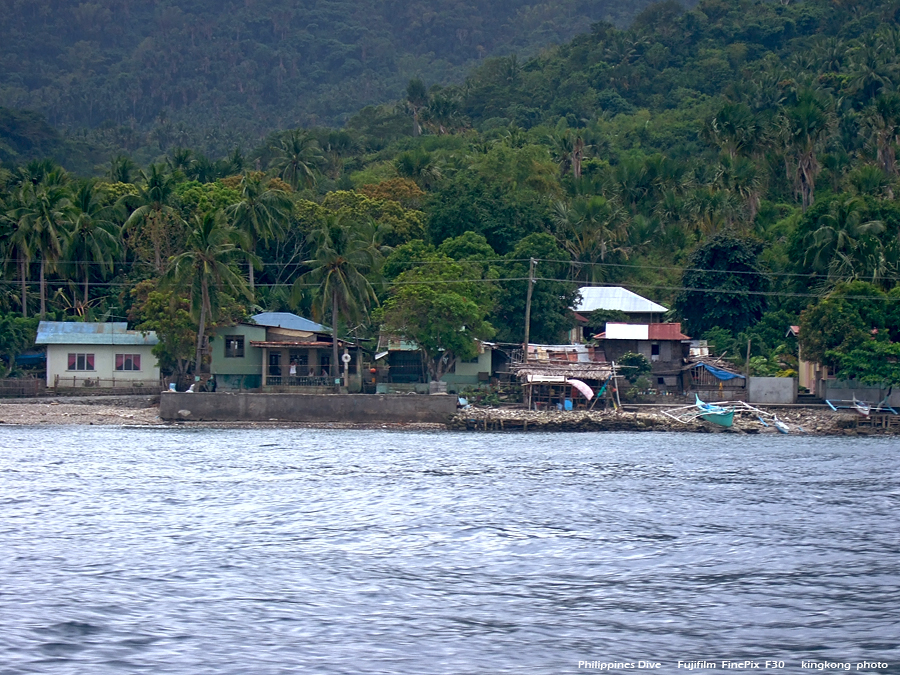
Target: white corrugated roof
{"type": "Point", "coordinates": [615, 297]}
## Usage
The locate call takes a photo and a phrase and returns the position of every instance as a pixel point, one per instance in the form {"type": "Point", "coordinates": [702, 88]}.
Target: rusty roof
{"type": "Point", "coordinates": [656, 331]}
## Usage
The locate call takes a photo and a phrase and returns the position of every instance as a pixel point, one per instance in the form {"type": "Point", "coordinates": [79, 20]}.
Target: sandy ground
{"type": "Point", "coordinates": [76, 413]}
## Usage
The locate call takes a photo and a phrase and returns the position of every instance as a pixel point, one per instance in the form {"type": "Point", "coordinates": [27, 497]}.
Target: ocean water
{"type": "Point", "coordinates": [200, 551]}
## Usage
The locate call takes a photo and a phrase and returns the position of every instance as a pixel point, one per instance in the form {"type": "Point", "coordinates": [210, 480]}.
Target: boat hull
{"type": "Point", "coordinates": [723, 419]}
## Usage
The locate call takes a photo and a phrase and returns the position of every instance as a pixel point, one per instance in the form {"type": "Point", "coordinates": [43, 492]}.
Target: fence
{"type": "Point", "coordinates": [121, 385]}
{"type": "Point", "coordinates": [24, 388]}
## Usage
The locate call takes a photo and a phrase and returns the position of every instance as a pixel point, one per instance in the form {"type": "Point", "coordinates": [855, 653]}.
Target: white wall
{"type": "Point", "coordinates": [104, 365]}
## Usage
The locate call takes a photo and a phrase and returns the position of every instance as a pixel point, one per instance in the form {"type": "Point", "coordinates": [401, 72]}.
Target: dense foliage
{"type": "Point", "coordinates": [210, 74]}
{"type": "Point", "coordinates": [736, 162]}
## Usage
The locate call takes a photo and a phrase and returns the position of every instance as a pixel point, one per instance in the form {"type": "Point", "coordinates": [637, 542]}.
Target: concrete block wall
{"type": "Point", "coordinates": [772, 390]}
{"type": "Point", "coordinates": [349, 408]}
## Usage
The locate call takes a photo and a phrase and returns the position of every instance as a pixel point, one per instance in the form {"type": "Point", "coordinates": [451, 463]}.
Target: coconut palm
{"type": "Point", "coordinates": [845, 243]}
{"type": "Point", "coordinates": [42, 221]}
{"type": "Point", "coordinates": [153, 207]}
{"type": "Point", "coordinates": [206, 270]}
{"type": "Point", "coordinates": [297, 157]}
{"type": "Point", "coordinates": [261, 214]}
{"type": "Point", "coordinates": [95, 235]}
{"type": "Point", "coordinates": [346, 252]}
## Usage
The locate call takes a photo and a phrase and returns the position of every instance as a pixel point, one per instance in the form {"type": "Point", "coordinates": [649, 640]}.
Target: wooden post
{"type": "Point", "coordinates": [616, 382]}
{"type": "Point", "coordinates": [531, 266]}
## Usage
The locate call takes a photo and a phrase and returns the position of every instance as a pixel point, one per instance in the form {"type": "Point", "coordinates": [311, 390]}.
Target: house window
{"type": "Point", "coordinates": [81, 362]}
{"type": "Point", "coordinates": [234, 346]}
{"type": "Point", "coordinates": [128, 361]}
{"type": "Point", "coordinates": [299, 358]}
{"type": "Point", "coordinates": [654, 349]}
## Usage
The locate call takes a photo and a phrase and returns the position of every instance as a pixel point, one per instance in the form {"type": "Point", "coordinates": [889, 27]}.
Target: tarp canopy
{"type": "Point", "coordinates": [585, 390]}
{"type": "Point", "coordinates": [721, 374]}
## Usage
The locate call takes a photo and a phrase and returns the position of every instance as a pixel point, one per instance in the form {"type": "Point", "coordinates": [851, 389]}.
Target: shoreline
{"type": "Point", "coordinates": [143, 412]}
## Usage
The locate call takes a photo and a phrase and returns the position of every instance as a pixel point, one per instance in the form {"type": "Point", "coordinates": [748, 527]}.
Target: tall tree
{"type": "Point", "coordinates": [207, 270]}
{"type": "Point", "coordinates": [43, 219]}
{"type": "Point", "coordinates": [262, 214]}
{"type": "Point", "coordinates": [805, 126]}
{"type": "Point", "coordinates": [95, 236]}
{"type": "Point", "coordinates": [723, 285]}
{"type": "Point", "coordinates": [416, 99]}
{"type": "Point", "coordinates": [346, 253]}
{"type": "Point", "coordinates": [153, 207]}
{"type": "Point", "coordinates": [297, 158]}
{"type": "Point", "coordinates": [442, 307]}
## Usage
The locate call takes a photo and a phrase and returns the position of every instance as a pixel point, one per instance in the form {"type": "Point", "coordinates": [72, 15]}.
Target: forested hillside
{"type": "Point", "coordinates": [735, 161]}
{"type": "Point", "coordinates": [235, 70]}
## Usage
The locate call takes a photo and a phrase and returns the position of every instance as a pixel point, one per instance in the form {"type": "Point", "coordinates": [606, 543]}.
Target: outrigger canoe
{"type": "Point", "coordinates": [723, 414]}
{"type": "Point", "coordinates": [724, 417]}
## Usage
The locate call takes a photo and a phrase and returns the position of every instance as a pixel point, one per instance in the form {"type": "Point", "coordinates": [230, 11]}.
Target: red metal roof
{"type": "Point", "coordinates": [658, 331]}
{"type": "Point", "coordinates": [667, 331]}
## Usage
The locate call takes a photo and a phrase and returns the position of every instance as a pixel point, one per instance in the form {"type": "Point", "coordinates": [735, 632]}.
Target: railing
{"type": "Point", "coordinates": [294, 381]}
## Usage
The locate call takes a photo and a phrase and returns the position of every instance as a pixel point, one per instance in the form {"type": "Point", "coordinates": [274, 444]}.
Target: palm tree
{"type": "Point", "coordinates": [417, 165]}
{"type": "Point", "coordinates": [262, 214]}
{"type": "Point", "coordinates": [590, 229]}
{"type": "Point", "coordinates": [205, 268]}
{"type": "Point", "coordinates": [95, 235]}
{"type": "Point", "coordinates": [734, 129]}
{"type": "Point", "coordinates": [805, 127]}
{"type": "Point", "coordinates": [42, 219]}
{"type": "Point", "coordinates": [297, 158]}
{"type": "Point", "coordinates": [740, 176]}
{"type": "Point", "coordinates": [345, 253]}
{"type": "Point", "coordinates": [121, 169]}
{"type": "Point", "coordinates": [843, 242]}
{"type": "Point", "coordinates": [153, 207]}
{"type": "Point", "coordinates": [883, 119]}
{"type": "Point", "coordinates": [416, 99]}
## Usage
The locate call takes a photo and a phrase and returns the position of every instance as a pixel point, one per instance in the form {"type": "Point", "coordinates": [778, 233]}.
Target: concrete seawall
{"type": "Point", "coordinates": [349, 408]}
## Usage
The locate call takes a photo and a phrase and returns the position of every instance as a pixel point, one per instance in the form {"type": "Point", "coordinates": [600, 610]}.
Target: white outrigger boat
{"type": "Point", "coordinates": [723, 412]}
{"type": "Point", "coordinates": [862, 407]}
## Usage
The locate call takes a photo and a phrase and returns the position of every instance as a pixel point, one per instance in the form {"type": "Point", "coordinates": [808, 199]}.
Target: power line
{"type": "Point", "coordinates": [573, 263]}
{"type": "Point", "coordinates": [444, 282]}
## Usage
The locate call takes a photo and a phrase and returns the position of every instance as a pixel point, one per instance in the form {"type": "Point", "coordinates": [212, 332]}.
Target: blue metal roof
{"type": "Point", "coordinates": [289, 321]}
{"type": "Point", "coordinates": [89, 333]}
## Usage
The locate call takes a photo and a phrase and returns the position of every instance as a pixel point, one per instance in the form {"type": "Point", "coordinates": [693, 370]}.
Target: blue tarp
{"type": "Point", "coordinates": [721, 374]}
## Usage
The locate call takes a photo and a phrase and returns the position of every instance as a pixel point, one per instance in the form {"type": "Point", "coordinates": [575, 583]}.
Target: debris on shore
{"type": "Point", "coordinates": [799, 421]}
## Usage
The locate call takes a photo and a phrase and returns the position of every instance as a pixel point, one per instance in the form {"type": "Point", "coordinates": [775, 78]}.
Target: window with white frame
{"type": "Point", "coordinates": [128, 361]}
{"type": "Point", "coordinates": [80, 362]}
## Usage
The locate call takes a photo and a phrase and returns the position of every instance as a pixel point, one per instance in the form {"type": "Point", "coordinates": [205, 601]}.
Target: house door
{"type": "Point", "coordinates": [274, 374]}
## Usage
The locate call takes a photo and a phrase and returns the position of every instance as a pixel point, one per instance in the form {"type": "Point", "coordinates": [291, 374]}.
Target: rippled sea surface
{"type": "Point", "coordinates": [333, 551]}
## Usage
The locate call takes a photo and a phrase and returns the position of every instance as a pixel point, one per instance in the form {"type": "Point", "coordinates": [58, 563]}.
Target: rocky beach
{"type": "Point", "coordinates": [144, 411]}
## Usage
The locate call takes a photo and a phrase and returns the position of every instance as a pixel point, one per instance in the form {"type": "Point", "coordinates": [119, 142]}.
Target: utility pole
{"type": "Point", "coordinates": [531, 268]}
{"type": "Point", "coordinates": [747, 364]}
